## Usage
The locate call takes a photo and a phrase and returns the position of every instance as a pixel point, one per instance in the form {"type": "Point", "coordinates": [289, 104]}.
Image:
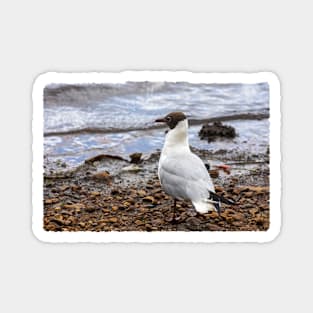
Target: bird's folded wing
{"type": "Point", "coordinates": [188, 167]}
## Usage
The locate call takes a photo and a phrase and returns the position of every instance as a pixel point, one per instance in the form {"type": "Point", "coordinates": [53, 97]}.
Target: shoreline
{"type": "Point", "coordinates": [110, 193]}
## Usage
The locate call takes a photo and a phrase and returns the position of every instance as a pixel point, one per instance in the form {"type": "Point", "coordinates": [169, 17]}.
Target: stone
{"type": "Point", "coordinates": [104, 175]}
{"type": "Point", "coordinates": [148, 199]}
{"type": "Point", "coordinates": [135, 158]}
{"type": "Point", "coordinates": [113, 220]}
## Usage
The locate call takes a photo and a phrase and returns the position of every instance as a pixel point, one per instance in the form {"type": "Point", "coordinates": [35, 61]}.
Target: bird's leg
{"type": "Point", "coordinates": [174, 211]}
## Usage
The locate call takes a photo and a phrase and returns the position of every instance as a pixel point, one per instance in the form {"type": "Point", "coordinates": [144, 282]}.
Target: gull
{"type": "Point", "coordinates": [182, 173]}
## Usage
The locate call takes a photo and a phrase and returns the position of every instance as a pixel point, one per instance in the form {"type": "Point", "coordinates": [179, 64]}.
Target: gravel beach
{"type": "Point", "coordinates": [109, 193]}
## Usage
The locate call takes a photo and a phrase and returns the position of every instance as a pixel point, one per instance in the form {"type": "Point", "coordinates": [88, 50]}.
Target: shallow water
{"type": "Point", "coordinates": [85, 120]}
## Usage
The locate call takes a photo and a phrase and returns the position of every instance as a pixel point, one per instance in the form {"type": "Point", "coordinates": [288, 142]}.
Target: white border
{"type": "Point", "coordinates": [204, 236]}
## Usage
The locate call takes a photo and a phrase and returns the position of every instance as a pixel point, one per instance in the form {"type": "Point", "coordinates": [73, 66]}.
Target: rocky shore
{"type": "Point", "coordinates": [110, 193]}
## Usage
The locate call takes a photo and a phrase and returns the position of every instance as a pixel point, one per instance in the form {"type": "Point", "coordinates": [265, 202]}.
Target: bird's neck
{"type": "Point", "coordinates": [177, 138]}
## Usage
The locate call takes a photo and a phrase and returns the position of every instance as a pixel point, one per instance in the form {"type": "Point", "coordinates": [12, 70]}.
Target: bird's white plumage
{"type": "Point", "coordinates": [182, 174]}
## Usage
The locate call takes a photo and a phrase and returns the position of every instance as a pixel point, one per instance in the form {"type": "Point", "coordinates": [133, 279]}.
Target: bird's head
{"type": "Point", "coordinates": [172, 119]}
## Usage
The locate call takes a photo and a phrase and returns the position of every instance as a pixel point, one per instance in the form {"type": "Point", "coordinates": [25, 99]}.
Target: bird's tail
{"type": "Point", "coordinates": [217, 200]}
{"type": "Point", "coordinates": [213, 203]}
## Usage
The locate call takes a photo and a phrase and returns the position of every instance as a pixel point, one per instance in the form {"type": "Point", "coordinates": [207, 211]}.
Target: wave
{"type": "Point", "coordinates": [192, 122]}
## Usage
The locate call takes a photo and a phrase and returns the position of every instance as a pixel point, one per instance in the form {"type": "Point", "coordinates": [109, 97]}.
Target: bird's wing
{"type": "Point", "coordinates": [188, 166]}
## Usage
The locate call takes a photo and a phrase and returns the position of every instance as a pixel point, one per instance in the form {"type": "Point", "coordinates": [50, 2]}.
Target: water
{"type": "Point", "coordinates": [82, 121]}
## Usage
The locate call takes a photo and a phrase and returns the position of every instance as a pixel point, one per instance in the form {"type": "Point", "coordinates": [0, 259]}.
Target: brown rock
{"type": "Point", "coordinates": [148, 199]}
{"type": "Point", "coordinates": [157, 222]}
{"type": "Point", "coordinates": [135, 158]}
{"type": "Point", "coordinates": [249, 194]}
{"type": "Point", "coordinates": [213, 214]}
{"type": "Point", "coordinates": [215, 130]}
{"type": "Point", "coordinates": [90, 208]}
{"type": "Point", "coordinates": [105, 176]}
{"type": "Point", "coordinates": [113, 219]}
{"type": "Point", "coordinates": [74, 206]}
{"type": "Point", "coordinates": [149, 227]}
{"type": "Point", "coordinates": [247, 206]}
{"type": "Point", "coordinates": [237, 223]}
{"type": "Point", "coordinates": [141, 193]}
{"type": "Point", "coordinates": [253, 211]}
{"type": "Point", "coordinates": [139, 222]}
{"type": "Point", "coordinates": [259, 189]}
{"type": "Point", "coordinates": [101, 157]}
{"type": "Point", "coordinates": [193, 223]}
{"type": "Point", "coordinates": [58, 221]}
{"type": "Point", "coordinates": [64, 187]}
{"type": "Point", "coordinates": [95, 193]}
{"type": "Point", "coordinates": [213, 227]}
{"type": "Point", "coordinates": [52, 200]}
{"type": "Point", "coordinates": [214, 173]}
{"type": "Point", "coordinates": [238, 217]}
{"type": "Point", "coordinates": [219, 189]}
{"type": "Point", "coordinates": [126, 204]}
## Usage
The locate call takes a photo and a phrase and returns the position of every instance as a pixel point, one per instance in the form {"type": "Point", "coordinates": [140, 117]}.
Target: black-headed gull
{"type": "Point", "coordinates": [182, 174]}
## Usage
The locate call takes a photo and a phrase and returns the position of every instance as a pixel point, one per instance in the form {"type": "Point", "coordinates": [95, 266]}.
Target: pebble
{"type": "Point", "coordinates": [131, 168]}
{"type": "Point", "coordinates": [148, 199]}
{"type": "Point", "coordinates": [193, 223]}
{"type": "Point", "coordinates": [104, 176]}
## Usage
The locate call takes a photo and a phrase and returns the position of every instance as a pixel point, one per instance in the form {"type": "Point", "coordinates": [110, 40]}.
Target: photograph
{"type": "Point", "coordinates": [164, 154]}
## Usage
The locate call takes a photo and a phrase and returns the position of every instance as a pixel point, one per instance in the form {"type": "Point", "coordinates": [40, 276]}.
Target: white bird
{"type": "Point", "coordinates": [182, 174]}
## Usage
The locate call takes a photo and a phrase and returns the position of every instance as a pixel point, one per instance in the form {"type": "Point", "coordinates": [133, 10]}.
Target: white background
{"type": "Point", "coordinates": [38, 36]}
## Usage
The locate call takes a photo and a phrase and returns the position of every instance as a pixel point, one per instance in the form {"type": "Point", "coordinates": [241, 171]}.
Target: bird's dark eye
{"type": "Point", "coordinates": [168, 119]}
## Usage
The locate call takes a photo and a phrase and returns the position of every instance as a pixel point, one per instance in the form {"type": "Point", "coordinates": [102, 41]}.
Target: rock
{"type": "Point", "coordinates": [259, 220]}
{"type": "Point", "coordinates": [238, 217]}
{"type": "Point", "coordinates": [141, 193]}
{"type": "Point", "coordinates": [230, 212]}
{"type": "Point", "coordinates": [149, 227]}
{"type": "Point", "coordinates": [254, 211]}
{"type": "Point", "coordinates": [131, 168]}
{"type": "Point", "coordinates": [90, 208]}
{"type": "Point", "coordinates": [213, 227]}
{"type": "Point", "coordinates": [64, 187]}
{"type": "Point", "coordinates": [193, 223]}
{"type": "Point", "coordinates": [259, 189]}
{"type": "Point", "coordinates": [104, 175]}
{"type": "Point", "coordinates": [148, 199]}
{"type": "Point", "coordinates": [157, 222]}
{"type": "Point", "coordinates": [135, 158]}
{"type": "Point", "coordinates": [213, 214]}
{"type": "Point", "coordinates": [247, 206]}
{"type": "Point", "coordinates": [139, 222]}
{"type": "Point", "coordinates": [214, 173]}
{"type": "Point", "coordinates": [101, 157]}
{"type": "Point", "coordinates": [95, 193]}
{"type": "Point", "coordinates": [219, 189]}
{"type": "Point", "coordinates": [158, 196]}
{"type": "Point", "coordinates": [74, 206]}
{"type": "Point", "coordinates": [51, 201]}
{"type": "Point", "coordinates": [217, 130]}
{"type": "Point", "coordinates": [249, 194]}
{"type": "Point", "coordinates": [113, 220]}
{"type": "Point", "coordinates": [126, 204]}
{"type": "Point", "coordinates": [58, 221]}
{"type": "Point", "coordinates": [237, 223]}
{"type": "Point", "coordinates": [115, 192]}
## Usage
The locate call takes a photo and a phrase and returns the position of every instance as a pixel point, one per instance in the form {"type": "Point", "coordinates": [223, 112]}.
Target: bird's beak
{"type": "Point", "coordinates": [160, 120]}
